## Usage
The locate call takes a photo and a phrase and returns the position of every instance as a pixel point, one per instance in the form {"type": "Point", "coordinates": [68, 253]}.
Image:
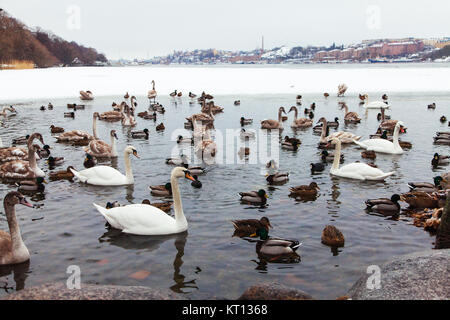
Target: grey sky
{"type": "Point", "coordinates": [145, 28]}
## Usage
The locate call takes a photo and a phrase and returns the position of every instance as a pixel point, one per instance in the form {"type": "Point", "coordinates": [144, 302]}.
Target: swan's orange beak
{"type": "Point", "coordinates": [187, 175]}
{"type": "Point", "coordinates": [135, 154]}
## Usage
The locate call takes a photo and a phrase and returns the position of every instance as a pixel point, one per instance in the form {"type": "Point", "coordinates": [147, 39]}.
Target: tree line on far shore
{"type": "Point", "coordinates": [19, 43]}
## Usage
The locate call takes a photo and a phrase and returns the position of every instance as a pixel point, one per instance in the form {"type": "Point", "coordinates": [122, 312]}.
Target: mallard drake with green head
{"type": "Point", "coordinates": [164, 190]}
{"type": "Point", "coordinates": [36, 184]}
{"type": "Point", "coordinates": [248, 227]}
{"type": "Point", "coordinates": [440, 160]}
{"type": "Point", "coordinates": [426, 186]}
{"type": "Point", "coordinates": [254, 197]}
{"type": "Point", "coordinates": [274, 248]}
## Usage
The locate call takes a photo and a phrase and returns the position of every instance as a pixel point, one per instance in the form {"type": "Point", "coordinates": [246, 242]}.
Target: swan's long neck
{"type": "Point", "coordinates": [177, 204]}
{"type": "Point", "coordinates": [14, 230]}
{"type": "Point", "coordinates": [395, 138]}
{"type": "Point", "coordinates": [295, 113]}
{"type": "Point", "coordinates": [128, 169]}
{"type": "Point", "coordinates": [113, 146]}
{"type": "Point", "coordinates": [382, 114]}
{"type": "Point", "coordinates": [337, 156]}
{"type": "Point", "coordinates": [279, 115]}
{"type": "Point", "coordinates": [32, 159]}
{"type": "Point", "coordinates": [346, 109]}
{"type": "Point", "coordinates": [94, 127]}
{"type": "Point", "coordinates": [324, 131]}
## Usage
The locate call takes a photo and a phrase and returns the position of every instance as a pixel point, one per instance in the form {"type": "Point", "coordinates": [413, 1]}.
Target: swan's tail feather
{"type": "Point", "coordinates": [359, 144]}
{"type": "Point", "coordinates": [78, 175]}
{"type": "Point", "coordinates": [387, 174]}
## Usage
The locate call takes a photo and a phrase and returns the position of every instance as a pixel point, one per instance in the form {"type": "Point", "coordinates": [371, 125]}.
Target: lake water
{"type": "Point", "coordinates": [206, 261]}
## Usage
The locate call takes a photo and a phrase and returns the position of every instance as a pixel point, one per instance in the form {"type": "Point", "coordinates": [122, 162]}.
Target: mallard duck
{"type": "Point", "coordinates": [161, 190]}
{"type": "Point", "coordinates": [326, 95]}
{"type": "Point", "coordinates": [50, 106]}
{"type": "Point", "coordinates": [384, 97]}
{"type": "Point", "coordinates": [89, 161]}
{"type": "Point", "coordinates": [274, 248]}
{"type": "Point", "coordinates": [194, 170]}
{"type": "Point", "coordinates": [244, 121]}
{"type": "Point", "coordinates": [426, 186]}
{"type": "Point", "coordinates": [329, 157]}
{"type": "Point", "coordinates": [110, 205]}
{"type": "Point", "coordinates": [277, 178]}
{"type": "Point", "coordinates": [362, 97]}
{"type": "Point", "coordinates": [384, 205]}
{"type": "Point", "coordinates": [290, 143]}
{"type": "Point", "coordinates": [54, 129]}
{"type": "Point", "coordinates": [140, 134]}
{"type": "Point", "coordinates": [247, 134]}
{"type": "Point", "coordinates": [304, 190]}
{"type": "Point", "coordinates": [44, 152]}
{"type": "Point", "coordinates": [254, 197]}
{"type": "Point", "coordinates": [21, 140]}
{"type": "Point", "coordinates": [160, 127]}
{"type": "Point", "coordinates": [36, 184]}
{"type": "Point", "coordinates": [192, 95]}
{"type": "Point", "coordinates": [69, 115]}
{"type": "Point", "coordinates": [248, 227]}
{"type": "Point", "coordinates": [164, 206]}
{"type": "Point", "coordinates": [62, 175]}
{"type": "Point", "coordinates": [173, 94]}
{"type": "Point", "coordinates": [55, 161]}
{"type": "Point", "coordinates": [417, 199]}
{"type": "Point", "coordinates": [196, 183]}
{"type": "Point", "coordinates": [439, 160]}
{"type": "Point", "coordinates": [42, 108]}
{"type": "Point", "coordinates": [333, 237]}
{"type": "Point", "coordinates": [237, 102]}
{"type": "Point", "coordinates": [149, 116]}
{"type": "Point", "coordinates": [317, 167]}
{"type": "Point", "coordinates": [432, 106]}
{"type": "Point", "coordinates": [183, 159]}
{"type": "Point", "coordinates": [298, 99]}
{"type": "Point", "coordinates": [367, 154]}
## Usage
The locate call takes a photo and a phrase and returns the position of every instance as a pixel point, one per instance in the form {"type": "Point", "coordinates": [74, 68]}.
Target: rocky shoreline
{"type": "Point", "coordinates": [416, 276]}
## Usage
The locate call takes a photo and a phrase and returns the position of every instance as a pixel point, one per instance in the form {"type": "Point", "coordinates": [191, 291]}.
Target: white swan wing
{"type": "Point", "coordinates": [100, 175]}
{"type": "Point", "coordinates": [359, 169]}
{"type": "Point", "coordinates": [139, 219]}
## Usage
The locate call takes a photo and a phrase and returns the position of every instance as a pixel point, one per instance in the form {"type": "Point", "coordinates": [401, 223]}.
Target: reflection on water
{"type": "Point", "coordinates": [207, 260]}
{"type": "Point", "coordinates": [20, 274]}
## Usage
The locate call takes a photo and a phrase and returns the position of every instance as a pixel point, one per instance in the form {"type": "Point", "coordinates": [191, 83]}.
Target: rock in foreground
{"type": "Point", "coordinates": [273, 291]}
{"type": "Point", "coordinates": [59, 291]}
{"type": "Point", "coordinates": [418, 276]}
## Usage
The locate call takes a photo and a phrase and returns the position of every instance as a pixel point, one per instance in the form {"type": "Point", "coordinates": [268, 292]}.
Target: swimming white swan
{"type": "Point", "coordinates": [107, 176]}
{"type": "Point", "coordinates": [356, 170]}
{"type": "Point", "coordinates": [12, 248]}
{"type": "Point", "coordinates": [142, 219]}
{"type": "Point", "coordinates": [374, 104]}
{"type": "Point", "coordinates": [383, 145]}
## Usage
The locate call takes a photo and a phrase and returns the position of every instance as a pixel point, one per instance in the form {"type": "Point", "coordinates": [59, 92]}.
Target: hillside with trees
{"type": "Point", "coordinates": [44, 49]}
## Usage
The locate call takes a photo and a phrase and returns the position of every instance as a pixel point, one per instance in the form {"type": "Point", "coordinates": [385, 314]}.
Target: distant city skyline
{"type": "Point", "coordinates": [144, 29]}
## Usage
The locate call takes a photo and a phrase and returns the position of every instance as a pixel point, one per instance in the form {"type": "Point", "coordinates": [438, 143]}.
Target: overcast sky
{"type": "Point", "coordinates": [147, 28]}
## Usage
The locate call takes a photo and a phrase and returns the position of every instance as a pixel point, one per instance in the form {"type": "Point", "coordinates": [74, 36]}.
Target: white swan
{"type": "Point", "coordinates": [12, 248]}
{"type": "Point", "coordinates": [383, 145]}
{"type": "Point", "coordinates": [355, 170]}
{"type": "Point", "coordinates": [142, 219]}
{"type": "Point", "coordinates": [374, 104]}
{"type": "Point", "coordinates": [107, 176]}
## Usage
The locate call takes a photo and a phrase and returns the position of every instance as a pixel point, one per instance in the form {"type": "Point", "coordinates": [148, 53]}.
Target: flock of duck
{"type": "Point", "coordinates": [20, 164]}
